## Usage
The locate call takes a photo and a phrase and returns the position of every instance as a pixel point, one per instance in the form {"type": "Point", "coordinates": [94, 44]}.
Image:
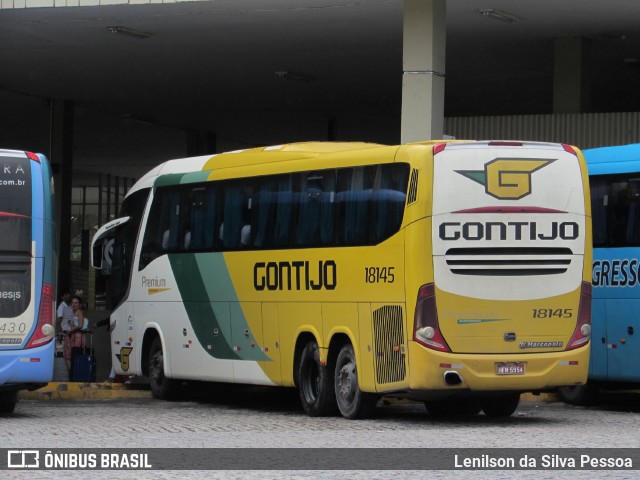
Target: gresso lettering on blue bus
{"type": "Point", "coordinates": [616, 273]}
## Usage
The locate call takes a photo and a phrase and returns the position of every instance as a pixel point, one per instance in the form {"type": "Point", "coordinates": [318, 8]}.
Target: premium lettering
{"type": "Point", "coordinates": [296, 275]}
{"type": "Point", "coordinates": [508, 231]}
{"type": "Point", "coordinates": [154, 282]}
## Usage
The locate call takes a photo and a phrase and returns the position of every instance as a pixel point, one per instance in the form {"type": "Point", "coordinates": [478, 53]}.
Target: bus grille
{"type": "Point", "coordinates": [508, 261]}
{"type": "Point", "coordinates": [389, 345]}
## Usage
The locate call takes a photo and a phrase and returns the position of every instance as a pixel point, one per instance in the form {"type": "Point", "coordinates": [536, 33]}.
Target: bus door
{"type": "Point", "coordinates": [111, 254]}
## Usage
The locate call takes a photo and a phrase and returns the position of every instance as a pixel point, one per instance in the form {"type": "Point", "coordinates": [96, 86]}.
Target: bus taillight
{"type": "Point", "coordinates": [426, 330]}
{"type": "Point", "coordinates": [44, 329]}
{"type": "Point", "coordinates": [582, 333]}
{"type": "Point", "coordinates": [33, 156]}
{"type": "Point", "coordinates": [438, 147]}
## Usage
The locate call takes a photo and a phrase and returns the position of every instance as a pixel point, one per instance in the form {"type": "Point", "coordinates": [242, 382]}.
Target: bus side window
{"type": "Point", "coordinates": [355, 187]}
{"type": "Point", "coordinates": [315, 202]}
{"type": "Point", "coordinates": [236, 216]}
{"type": "Point", "coordinates": [161, 232]}
{"type": "Point", "coordinates": [272, 212]}
{"type": "Point", "coordinates": [388, 200]}
{"type": "Point", "coordinates": [633, 223]}
{"type": "Point", "coordinates": [600, 194]}
{"type": "Point", "coordinates": [199, 236]}
{"type": "Point", "coordinates": [620, 209]}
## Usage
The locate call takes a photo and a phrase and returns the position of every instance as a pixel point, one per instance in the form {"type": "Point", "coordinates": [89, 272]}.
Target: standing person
{"type": "Point", "coordinates": [78, 322]}
{"type": "Point", "coordinates": [71, 328]}
{"type": "Point", "coordinates": [64, 312]}
{"type": "Point", "coordinates": [64, 324]}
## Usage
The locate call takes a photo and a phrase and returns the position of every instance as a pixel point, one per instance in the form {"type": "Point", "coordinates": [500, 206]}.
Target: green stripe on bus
{"type": "Point", "coordinates": [201, 315]}
{"type": "Point", "coordinates": [205, 276]}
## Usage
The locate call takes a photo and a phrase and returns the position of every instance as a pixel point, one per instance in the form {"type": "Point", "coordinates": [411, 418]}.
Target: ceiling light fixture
{"type": "Point", "coordinates": [129, 32]}
{"type": "Point", "coordinates": [498, 15]}
{"type": "Point", "coordinates": [295, 76]}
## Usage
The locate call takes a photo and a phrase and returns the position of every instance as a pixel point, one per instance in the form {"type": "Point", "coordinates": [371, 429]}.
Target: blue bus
{"type": "Point", "coordinates": [614, 176]}
{"type": "Point", "coordinates": [28, 269]}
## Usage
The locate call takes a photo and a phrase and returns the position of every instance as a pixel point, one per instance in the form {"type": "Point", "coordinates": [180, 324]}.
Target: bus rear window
{"type": "Point", "coordinates": [15, 186]}
{"type": "Point", "coordinates": [20, 238]}
{"type": "Point", "coordinates": [15, 287]}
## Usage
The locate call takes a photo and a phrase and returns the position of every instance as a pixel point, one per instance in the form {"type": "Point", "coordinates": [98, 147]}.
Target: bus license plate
{"type": "Point", "coordinates": [511, 368]}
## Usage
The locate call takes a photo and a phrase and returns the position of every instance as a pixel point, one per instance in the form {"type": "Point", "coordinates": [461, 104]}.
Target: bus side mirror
{"type": "Point", "coordinates": [96, 255]}
{"type": "Point", "coordinates": [102, 243]}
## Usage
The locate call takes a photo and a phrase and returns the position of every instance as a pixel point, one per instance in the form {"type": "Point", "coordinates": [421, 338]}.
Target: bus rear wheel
{"type": "Point", "coordinates": [352, 402]}
{"type": "Point", "coordinates": [502, 406]}
{"type": "Point", "coordinates": [578, 394]}
{"type": "Point", "coordinates": [315, 383]}
{"type": "Point", "coordinates": [8, 401]}
{"type": "Point", "coordinates": [161, 386]}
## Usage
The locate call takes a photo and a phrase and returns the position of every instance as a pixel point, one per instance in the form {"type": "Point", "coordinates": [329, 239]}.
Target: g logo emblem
{"type": "Point", "coordinates": [507, 178]}
{"type": "Point", "coordinates": [123, 356]}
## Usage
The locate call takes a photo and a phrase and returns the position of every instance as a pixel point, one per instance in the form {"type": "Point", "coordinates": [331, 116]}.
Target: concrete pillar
{"type": "Point", "coordinates": [570, 85]}
{"type": "Point", "coordinates": [424, 41]}
{"type": "Point", "coordinates": [61, 157]}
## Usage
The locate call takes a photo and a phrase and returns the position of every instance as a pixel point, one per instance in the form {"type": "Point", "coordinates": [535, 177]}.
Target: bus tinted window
{"type": "Point", "coordinates": [315, 205]}
{"type": "Point", "coordinates": [235, 226]}
{"type": "Point", "coordinates": [199, 232]}
{"type": "Point", "coordinates": [15, 285]}
{"type": "Point", "coordinates": [272, 212]}
{"type": "Point", "coordinates": [15, 185]}
{"type": "Point", "coordinates": [346, 207]}
{"type": "Point", "coordinates": [15, 248]}
{"type": "Point", "coordinates": [123, 243]}
{"type": "Point", "coordinates": [615, 204]}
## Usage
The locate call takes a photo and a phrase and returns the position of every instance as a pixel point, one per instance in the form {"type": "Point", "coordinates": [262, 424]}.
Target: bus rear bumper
{"type": "Point", "coordinates": [32, 366]}
{"type": "Point", "coordinates": [479, 372]}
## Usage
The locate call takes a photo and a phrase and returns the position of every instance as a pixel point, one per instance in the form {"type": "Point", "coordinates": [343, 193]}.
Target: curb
{"type": "Point", "coordinates": [86, 391]}
{"type": "Point", "coordinates": [104, 391]}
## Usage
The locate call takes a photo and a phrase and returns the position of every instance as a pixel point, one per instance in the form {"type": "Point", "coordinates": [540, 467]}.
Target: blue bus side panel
{"type": "Point", "coordinates": [34, 365]}
{"type": "Point", "coordinates": [615, 315]}
{"type": "Point", "coordinates": [623, 334]}
{"type": "Point", "coordinates": [599, 351]}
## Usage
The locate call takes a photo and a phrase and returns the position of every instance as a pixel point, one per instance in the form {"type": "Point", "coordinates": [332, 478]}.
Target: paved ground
{"type": "Point", "coordinates": [246, 417]}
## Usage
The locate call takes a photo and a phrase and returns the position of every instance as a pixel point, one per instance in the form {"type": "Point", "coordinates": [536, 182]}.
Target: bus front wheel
{"type": "Point", "coordinates": [502, 406]}
{"type": "Point", "coordinates": [352, 402]}
{"type": "Point", "coordinates": [315, 383]}
{"type": "Point", "coordinates": [161, 386]}
{"type": "Point", "coordinates": [8, 401]}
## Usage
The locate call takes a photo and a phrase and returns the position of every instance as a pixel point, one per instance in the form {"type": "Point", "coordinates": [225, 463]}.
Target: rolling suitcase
{"type": "Point", "coordinates": [83, 361]}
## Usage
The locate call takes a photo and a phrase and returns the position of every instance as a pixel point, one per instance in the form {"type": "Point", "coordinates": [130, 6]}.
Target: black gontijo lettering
{"type": "Point", "coordinates": [278, 275]}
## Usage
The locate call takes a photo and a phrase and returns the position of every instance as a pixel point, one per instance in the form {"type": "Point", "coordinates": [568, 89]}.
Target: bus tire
{"type": "Point", "coordinates": [353, 403]}
{"type": "Point", "coordinates": [161, 386]}
{"type": "Point", "coordinates": [578, 394]}
{"type": "Point", "coordinates": [315, 383]}
{"type": "Point", "coordinates": [8, 401]}
{"type": "Point", "coordinates": [453, 406]}
{"type": "Point", "coordinates": [501, 406]}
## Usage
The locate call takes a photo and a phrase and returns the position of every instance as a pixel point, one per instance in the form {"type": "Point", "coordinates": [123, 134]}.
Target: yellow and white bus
{"type": "Point", "coordinates": [454, 273]}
